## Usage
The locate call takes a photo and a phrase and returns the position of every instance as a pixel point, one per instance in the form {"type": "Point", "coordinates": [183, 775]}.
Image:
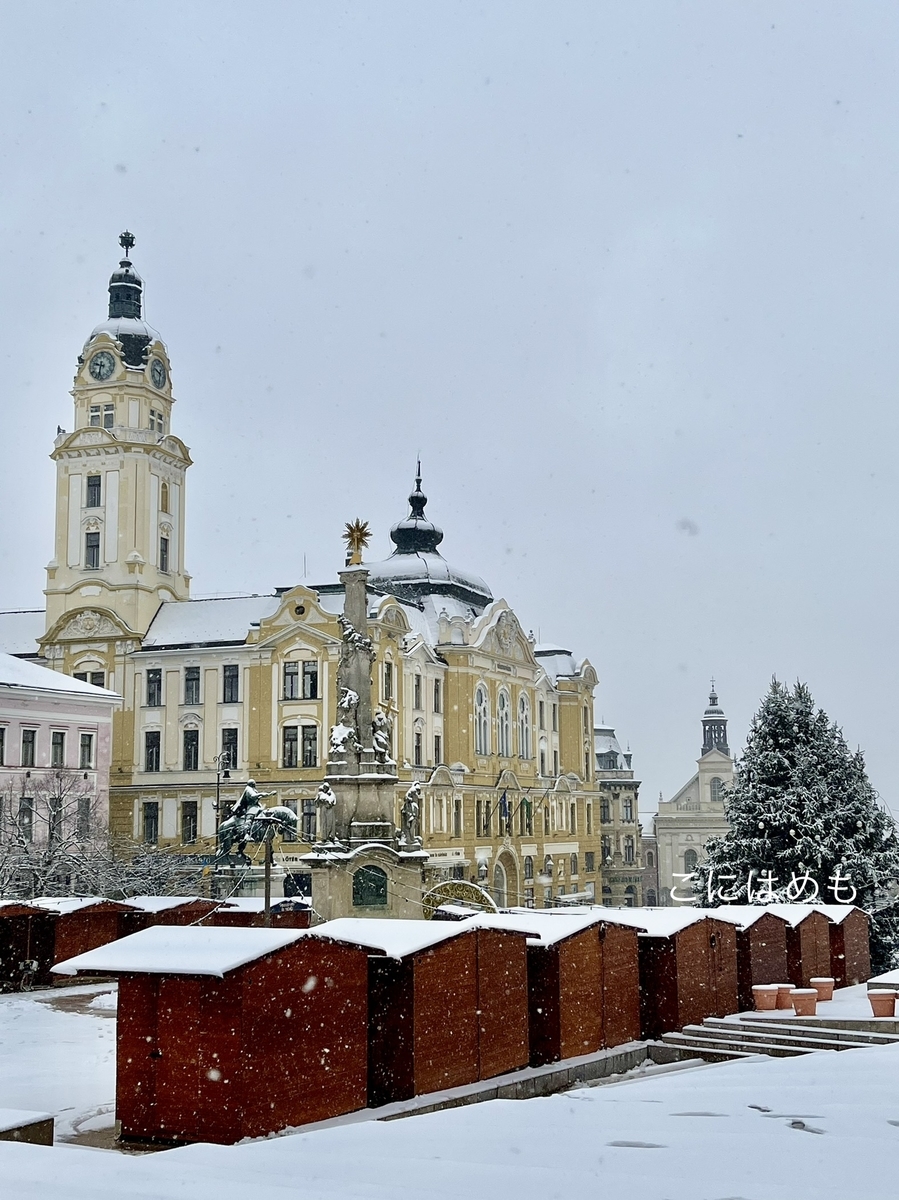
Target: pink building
{"type": "Point", "coordinates": [55, 747]}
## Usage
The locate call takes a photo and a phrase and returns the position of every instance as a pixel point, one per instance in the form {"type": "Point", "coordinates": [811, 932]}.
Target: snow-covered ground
{"type": "Point", "coordinates": [57, 1055]}
{"type": "Point", "coordinates": [824, 1125]}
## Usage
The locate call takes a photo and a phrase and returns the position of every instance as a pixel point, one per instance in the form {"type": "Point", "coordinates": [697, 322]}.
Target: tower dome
{"type": "Point", "coordinates": [714, 726]}
{"type": "Point", "coordinates": [417, 568]}
{"type": "Point", "coordinates": [124, 321]}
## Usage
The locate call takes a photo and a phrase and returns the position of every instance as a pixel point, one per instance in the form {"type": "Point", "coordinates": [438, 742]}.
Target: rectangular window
{"type": "Point", "coordinates": [416, 692]}
{"type": "Point", "coordinates": [310, 746]}
{"type": "Point", "coordinates": [542, 762]}
{"type": "Point", "coordinates": [290, 741]}
{"type": "Point", "coordinates": [529, 897]}
{"type": "Point", "coordinates": [487, 819]}
{"type": "Point", "coordinates": [310, 680]}
{"type": "Point", "coordinates": [572, 817]}
{"type": "Point", "coordinates": [86, 756]}
{"type": "Point", "coordinates": [229, 747]}
{"type": "Point", "coordinates": [587, 721]}
{"type": "Point", "coordinates": [95, 415]}
{"type": "Point", "coordinates": [164, 554]}
{"type": "Point", "coordinates": [108, 415]}
{"type": "Point", "coordinates": [151, 750]}
{"type": "Point", "coordinates": [291, 681]}
{"type": "Point", "coordinates": [156, 422]}
{"type": "Point", "coordinates": [26, 818]}
{"type": "Point", "coordinates": [93, 491]}
{"type": "Point", "coordinates": [191, 750]}
{"type": "Point", "coordinates": [82, 675]}
{"type": "Point", "coordinates": [438, 750]}
{"type": "Point", "coordinates": [29, 738]}
{"type": "Point", "coordinates": [57, 748]}
{"type": "Point", "coordinates": [230, 684]}
{"type": "Point", "coordinates": [417, 743]}
{"type": "Point", "coordinates": [191, 685]}
{"type": "Point", "coordinates": [541, 714]}
{"type": "Point", "coordinates": [151, 822]}
{"type": "Point", "coordinates": [438, 698]}
{"type": "Point", "coordinates": [627, 807]}
{"type": "Point", "coordinates": [83, 818]}
{"type": "Point", "coordinates": [388, 681]}
{"type": "Point", "coordinates": [590, 861]}
{"type": "Point", "coordinates": [457, 816]}
{"type": "Point", "coordinates": [589, 812]}
{"type": "Point", "coordinates": [555, 763]}
{"type": "Point", "coordinates": [154, 687]}
{"type": "Point", "coordinates": [98, 678]}
{"type": "Point", "coordinates": [92, 551]}
{"type": "Point", "coordinates": [307, 830]}
{"type": "Point", "coordinates": [555, 718]}
{"type": "Point", "coordinates": [2, 746]}
{"type": "Point", "coordinates": [188, 822]}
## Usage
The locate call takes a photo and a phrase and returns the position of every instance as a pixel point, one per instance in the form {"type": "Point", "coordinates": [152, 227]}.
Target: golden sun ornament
{"type": "Point", "coordinates": [357, 536]}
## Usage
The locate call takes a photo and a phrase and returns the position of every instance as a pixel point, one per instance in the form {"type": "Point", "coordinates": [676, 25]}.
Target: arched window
{"type": "Point", "coordinates": [369, 888]}
{"type": "Point", "coordinates": [524, 726]}
{"type": "Point", "coordinates": [716, 787]}
{"type": "Point", "coordinates": [503, 726]}
{"type": "Point", "coordinates": [164, 498]}
{"type": "Point", "coordinates": [630, 896]}
{"type": "Point", "coordinates": [607, 896]}
{"type": "Point", "coordinates": [481, 721]}
{"type": "Point", "coordinates": [650, 859]}
{"type": "Point", "coordinates": [574, 864]}
{"type": "Point", "coordinates": [548, 866]}
{"type": "Point", "coordinates": [528, 867]}
{"type": "Point", "coordinates": [499, 885]}
{"type": "Point", "coordinates": [651, 898]}
{"type": "Point", "coordinates": [691, 858]}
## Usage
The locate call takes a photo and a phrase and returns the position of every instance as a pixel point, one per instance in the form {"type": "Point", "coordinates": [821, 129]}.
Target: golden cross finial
{"type": "Point", "coordinates": [357, 536]}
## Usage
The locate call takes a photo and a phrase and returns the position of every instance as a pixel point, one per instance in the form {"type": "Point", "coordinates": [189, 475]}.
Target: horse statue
{"type": "Point", "coordinates": [251, 821]}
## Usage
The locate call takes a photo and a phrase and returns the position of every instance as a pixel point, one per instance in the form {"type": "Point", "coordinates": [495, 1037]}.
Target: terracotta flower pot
{"type": "Point", "coordinates": [783, 995]}
{"type": "Point", "coordinates": [883, 1003]}
{"type": "Point", "coordinates": [804, 1001]}
{"type": "Point", "coordinates": [764, 997]}
{"type": "Point", "coordinates": [823, 985]}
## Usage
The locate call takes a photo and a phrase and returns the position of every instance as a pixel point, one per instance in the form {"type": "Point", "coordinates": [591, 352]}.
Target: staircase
{"type": "Point", "coordinates": [719, 1039]}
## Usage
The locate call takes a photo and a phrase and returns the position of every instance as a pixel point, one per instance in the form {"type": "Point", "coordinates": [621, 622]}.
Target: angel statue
{"type": "Point", "coordinates": [381, 737]}
{"type": "Point", "coordinates": [250, 821]}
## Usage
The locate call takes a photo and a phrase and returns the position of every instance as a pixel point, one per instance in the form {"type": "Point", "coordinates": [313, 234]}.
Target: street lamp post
{"type": "Point", "coordinates": [222, 763]}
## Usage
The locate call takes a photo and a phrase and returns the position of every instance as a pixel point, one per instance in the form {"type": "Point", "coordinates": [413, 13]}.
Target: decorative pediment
{"type": "Point", "coordinates": [507, 640]}
{"type": "Point", "coordinates": [394, 618]}
{"type": "Point", "coordinates": [88, 624]}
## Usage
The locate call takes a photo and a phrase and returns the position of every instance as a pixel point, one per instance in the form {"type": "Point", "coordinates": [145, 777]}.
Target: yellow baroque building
{"type": "Point", "coordinates": [498, 730]}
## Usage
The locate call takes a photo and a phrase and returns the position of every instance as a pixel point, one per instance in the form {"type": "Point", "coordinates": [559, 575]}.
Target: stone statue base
{"type": "Point", "coordinates": [370, 879]}
{"type": "Point", "coordinates": [240, 882]}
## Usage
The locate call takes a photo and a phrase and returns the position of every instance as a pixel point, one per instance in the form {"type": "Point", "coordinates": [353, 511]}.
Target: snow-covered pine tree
{"type": "Point", "coordinates": [804, 815]}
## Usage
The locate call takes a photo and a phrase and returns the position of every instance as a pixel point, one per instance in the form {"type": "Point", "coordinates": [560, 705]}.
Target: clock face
{"type": "Point", "coordinates": [102, 365]}
{"type": "Point", "coordinates": [157, 373]}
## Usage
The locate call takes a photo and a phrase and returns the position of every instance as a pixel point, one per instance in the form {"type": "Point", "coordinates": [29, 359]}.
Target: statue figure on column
{"type": "Point", "coordinates": [381, 737]}
{"type": "Point", "coordinates": [326, 807]}
{"type": "Point", "coordinates": [410, 814]}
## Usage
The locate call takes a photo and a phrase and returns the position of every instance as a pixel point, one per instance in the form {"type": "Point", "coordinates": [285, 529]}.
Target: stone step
{"type": "Point", "coordinates": [775, 1037]}
{"type": "Point", "coordinates": [843, 1033]}
{"type": "Point", "coordinates": [719, 1051]}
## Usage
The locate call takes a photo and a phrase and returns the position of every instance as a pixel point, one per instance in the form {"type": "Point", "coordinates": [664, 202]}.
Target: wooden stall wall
{"type": "Point", "coordinates": [544, 1022]}
{"type": "Point", "coordinates": [620, 985]}
{"type": "Point", "coordinates": [502, 1002]}
{"type": "Point", "coordinates": [687, 977]}
{"type": "Point", "coordinates": [580, 993]}
{"type": "Point", "coordinates": [808, 949]}
{"type": "Point", "coordinates": [850, 949]}
{"type": "Point", "coordinates": [26, 936]}
{"type": "Point", "coordinates": [761, 956]}
{"type": "Point", "coordinates": [445, 1011]}
{"type": "Point", "coordinates": [86, 928]}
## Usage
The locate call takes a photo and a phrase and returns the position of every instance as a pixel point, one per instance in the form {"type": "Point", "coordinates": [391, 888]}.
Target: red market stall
{"type": "Point", "coordinates": [26, 945]}
{"type": "Point", "coordinates": [82, 922]}
{"type": "Point", "coordinates": [225, 1034]}
{"type": "Point", "coordinates": [761, 947]}
{"type": "Point", "coordinates": [808, 942]}
{"type": "Point", "coordinates": [850, 945]}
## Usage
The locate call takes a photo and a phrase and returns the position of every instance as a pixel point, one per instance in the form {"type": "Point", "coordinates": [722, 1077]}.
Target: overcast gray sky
{"type": "Point", "coordinates": [624, 274]}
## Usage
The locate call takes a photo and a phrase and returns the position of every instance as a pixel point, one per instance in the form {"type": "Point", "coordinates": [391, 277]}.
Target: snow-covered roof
{"type": "Point", "coordinates": [795, 914]}
{"type": "Point", "coordinates": [70, 904]}
{"type": "Point", "coordinates": [659, 922]}
{"type": "Point", "coordinates": [29, 676]}
{"type": "Point", "coordinates": [741, 915]}
{"type": "Point", "coordinates": [556, 661]}
{"type": "Point", "coordinates": [544, 928]}
{"type": "Point", "coordinates": [395, 938]}
{"type": "Point", "coordinates": [14, 1118]}
{"type": "Point", "coordinates": [181, 950]}
{"type": "Point", "coordinates": [19, 631]}
{"type": "Point", "coordinates": [116, 327]}
{"type": "Point", "coordinates": [224, 621]}
{"type": "Point", "coordinates": [155, 904]}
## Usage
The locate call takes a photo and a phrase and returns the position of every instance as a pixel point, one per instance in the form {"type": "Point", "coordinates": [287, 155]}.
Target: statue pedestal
{"type": "Point", "coordinates": [367, 880]}
{"type": "Point", "coordinates": [244, 882]}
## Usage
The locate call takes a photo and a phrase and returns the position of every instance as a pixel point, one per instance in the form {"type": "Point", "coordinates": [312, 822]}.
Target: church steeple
{"type": "Point", "coordinates": [714, 726]}
{"type": "Point", "coordinates": [125, 285]}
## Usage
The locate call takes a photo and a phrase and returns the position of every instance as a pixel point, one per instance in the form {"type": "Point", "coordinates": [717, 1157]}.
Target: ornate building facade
{"type": "Point", "coordinates": [498, 730]}
{"type": "Point", "coordinates": [696, 813]}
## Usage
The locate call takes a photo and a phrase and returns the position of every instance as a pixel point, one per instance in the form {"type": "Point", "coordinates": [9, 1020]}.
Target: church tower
{"type": "Point", "coordinates": [120, 475]}
{"type": "Point", "coordinates": [714, 726]}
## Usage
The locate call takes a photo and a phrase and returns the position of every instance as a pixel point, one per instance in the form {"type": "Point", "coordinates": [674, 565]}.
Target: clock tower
{"type": "Point", "coordinates": [120, 476]}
